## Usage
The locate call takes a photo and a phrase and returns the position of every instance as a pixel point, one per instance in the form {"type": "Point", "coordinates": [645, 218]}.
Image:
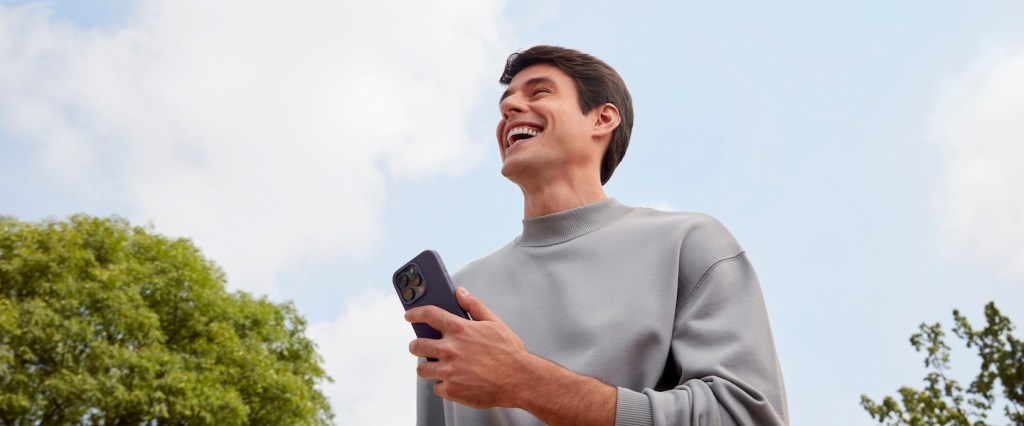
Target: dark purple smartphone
{"type": "Point", "coordinates": [424, 281]}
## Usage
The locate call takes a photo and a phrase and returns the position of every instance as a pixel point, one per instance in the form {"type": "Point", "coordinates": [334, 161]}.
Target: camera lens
{"type": "Point", "coordinates": [415, 280]}
{"type": "Point", "coordinates": [403, 281]}
{"type": "Point", "coordinates": [408, 294]}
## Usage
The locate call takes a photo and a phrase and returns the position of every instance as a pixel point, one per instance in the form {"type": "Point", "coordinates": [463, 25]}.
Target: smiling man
{"type": "Point", "coordinates": [598, 313]}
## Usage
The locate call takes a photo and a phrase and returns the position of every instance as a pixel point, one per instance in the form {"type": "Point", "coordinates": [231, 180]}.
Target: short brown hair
{"type": "Point", "coordinates": [597, 84]}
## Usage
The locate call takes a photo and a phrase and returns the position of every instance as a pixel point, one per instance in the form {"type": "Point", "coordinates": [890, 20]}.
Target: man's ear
{"type": "Point", "coordinates": [606, 119]}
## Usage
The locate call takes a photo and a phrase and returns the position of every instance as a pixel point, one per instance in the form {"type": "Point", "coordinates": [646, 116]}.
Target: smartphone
{"type": "Point", "coordinates": [425, 281]}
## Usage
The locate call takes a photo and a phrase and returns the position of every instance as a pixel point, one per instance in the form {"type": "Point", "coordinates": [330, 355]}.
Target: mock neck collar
{"type": "Point", "coordinates": [565, 225]}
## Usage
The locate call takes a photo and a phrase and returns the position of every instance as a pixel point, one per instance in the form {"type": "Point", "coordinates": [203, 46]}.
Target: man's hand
{"type": "Point", "coordinates": [479, 363]}
{"type": "Point", "coordinates": [483, 363]}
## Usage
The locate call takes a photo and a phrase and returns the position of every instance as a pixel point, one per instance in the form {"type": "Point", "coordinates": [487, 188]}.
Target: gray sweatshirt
{"type": "Point", "coordinates": [664, 306]}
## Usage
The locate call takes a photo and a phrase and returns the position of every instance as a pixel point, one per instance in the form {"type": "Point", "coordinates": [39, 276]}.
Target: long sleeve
{"type": "Point", "coordinates": [723, 355]}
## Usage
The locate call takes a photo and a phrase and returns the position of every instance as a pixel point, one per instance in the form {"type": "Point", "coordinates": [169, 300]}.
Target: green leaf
{"type": "Point", "coordinates": [105, 323]}
{"type": "Point", "coordinates": [943, 401]}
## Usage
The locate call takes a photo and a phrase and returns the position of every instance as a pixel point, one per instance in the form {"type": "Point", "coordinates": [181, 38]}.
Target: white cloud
{"type": "Point", "coordinates": [366, 352]}
{"type": "Point", "coordinates": [266, 133]}
{"type": "Point", "coordinates": [979, 125]}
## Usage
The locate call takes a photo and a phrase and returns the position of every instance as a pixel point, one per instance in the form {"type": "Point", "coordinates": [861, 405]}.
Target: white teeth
{"type": "Point", "coordinates": [520, 131]}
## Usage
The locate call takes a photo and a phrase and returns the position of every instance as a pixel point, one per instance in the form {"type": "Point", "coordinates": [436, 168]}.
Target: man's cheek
{"type": "Point", "coordinates": [499, 137]}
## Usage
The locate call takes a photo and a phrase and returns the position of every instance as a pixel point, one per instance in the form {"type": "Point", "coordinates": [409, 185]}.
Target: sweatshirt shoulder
{"type": "Point", "coordinates": [484, 265]}
{"type": "Point", "coordinates": [695, 230]}
{"type": "Point", "coordinates": [696, 219]}
{"type": "Point", "coordinates": [701, 240]}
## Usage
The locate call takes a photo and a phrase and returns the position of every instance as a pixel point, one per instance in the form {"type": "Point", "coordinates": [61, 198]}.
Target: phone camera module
{"type": "Point", "coordinates": [410, 284]}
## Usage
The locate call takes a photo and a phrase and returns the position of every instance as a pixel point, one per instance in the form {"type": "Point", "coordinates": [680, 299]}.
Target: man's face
{"type": "Point", "coordinates": [542, 132]}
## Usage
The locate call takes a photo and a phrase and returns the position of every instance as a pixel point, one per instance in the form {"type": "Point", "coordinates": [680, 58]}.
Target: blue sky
{"type": "Point", "coordinates": [865, 154]}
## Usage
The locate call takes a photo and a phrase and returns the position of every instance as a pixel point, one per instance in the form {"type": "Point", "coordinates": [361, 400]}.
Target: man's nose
{"type": "Point", "coordinates": [512, 105]}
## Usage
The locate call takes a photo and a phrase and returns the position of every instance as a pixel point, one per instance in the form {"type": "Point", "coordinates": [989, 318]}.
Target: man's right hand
{"type": "Point", "coordinates": [479, 363]}
{"type": "Point", "coordinates": [483, 363]}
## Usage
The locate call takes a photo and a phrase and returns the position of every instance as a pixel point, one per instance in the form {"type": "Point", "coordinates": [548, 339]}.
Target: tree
{"type": "Point", "coordinates": [944, 401]}
{"type": "Point", "coordinates": [102, 323]}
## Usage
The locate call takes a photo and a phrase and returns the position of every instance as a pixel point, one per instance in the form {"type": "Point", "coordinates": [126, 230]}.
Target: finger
{"type": "Point", "coordinates": [429, 370]}
{"type": "Point", "coordinates": [430, 315]}
{"type": "Point", "coordinates": [441, 389]}
{"type": "Point", "coordinates": [476, 307]}
{"type": "Point", "coordinates": [423, 347]}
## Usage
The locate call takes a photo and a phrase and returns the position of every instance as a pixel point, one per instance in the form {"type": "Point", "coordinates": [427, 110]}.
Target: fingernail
{"type": "Point", "coordinates": [463, 291]}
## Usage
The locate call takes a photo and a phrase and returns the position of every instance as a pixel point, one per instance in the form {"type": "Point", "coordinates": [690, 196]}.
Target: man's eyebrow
{"type": "Point", "coordinates": [529, 83]}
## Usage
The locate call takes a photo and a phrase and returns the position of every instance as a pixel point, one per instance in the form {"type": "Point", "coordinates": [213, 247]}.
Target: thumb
{"type": "Point", "coordinates": [474, 306]}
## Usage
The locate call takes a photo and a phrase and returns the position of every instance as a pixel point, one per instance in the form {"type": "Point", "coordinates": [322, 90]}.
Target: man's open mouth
{"type": "Point", "coordinates": [520, 133]}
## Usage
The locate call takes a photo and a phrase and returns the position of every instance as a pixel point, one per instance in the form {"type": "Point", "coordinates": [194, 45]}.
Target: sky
{"type": "Point", "coordinates": [865, 154]}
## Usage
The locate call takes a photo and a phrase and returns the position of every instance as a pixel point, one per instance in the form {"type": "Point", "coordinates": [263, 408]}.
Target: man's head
{"type": "Point", "coordinates": [596, 84]}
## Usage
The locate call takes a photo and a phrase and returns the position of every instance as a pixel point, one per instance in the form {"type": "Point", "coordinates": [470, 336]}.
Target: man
{"type": "Point", "coordinates": [598, 313]}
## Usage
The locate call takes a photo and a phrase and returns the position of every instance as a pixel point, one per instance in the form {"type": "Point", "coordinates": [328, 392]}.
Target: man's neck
{"type": "Point", "coordinates": [554, 198]}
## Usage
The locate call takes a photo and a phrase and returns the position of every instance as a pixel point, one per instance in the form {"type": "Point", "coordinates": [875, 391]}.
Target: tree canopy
{"type": "Point", "coordinates": [104, 323]}
{"type": "Point", "coordinates": [944, 401]}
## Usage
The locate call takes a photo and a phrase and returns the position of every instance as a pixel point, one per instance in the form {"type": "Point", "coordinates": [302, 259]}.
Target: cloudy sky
{"type": "Point", "coordinates": [867, 155]}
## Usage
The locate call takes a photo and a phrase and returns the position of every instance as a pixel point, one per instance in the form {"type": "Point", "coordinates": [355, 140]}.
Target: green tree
{"type": "Point", "coordinates": [102, 323]}
{"type": "Point", "coordinates": [944, 401]}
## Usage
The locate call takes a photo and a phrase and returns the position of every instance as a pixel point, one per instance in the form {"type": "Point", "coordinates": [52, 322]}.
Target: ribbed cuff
{"type": "Point", "coordinates": [632, 409]}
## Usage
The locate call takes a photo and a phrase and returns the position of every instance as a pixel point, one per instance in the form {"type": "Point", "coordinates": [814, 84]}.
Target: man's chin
{"type": "Point", "coordinates": [512, 168]}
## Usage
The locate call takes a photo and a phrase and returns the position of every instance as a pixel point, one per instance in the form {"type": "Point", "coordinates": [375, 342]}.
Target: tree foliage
{"type": "Point", "coordinates": [944, 401]}
{"type": "Point", "coordinates": [102, 323]}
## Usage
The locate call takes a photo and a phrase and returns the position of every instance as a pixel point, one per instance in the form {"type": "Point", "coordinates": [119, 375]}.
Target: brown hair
{"type": "Point", "coordinates": [597, 84]}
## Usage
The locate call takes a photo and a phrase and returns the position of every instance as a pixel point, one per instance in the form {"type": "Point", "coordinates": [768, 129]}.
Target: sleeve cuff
{"type": "Point", "coordinates": [632, 408]}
